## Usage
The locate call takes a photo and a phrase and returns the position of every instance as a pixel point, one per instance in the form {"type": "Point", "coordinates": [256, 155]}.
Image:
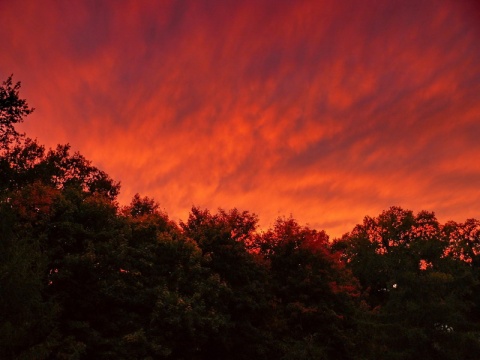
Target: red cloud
{"type": "Point", "coordinates": [326, 111]}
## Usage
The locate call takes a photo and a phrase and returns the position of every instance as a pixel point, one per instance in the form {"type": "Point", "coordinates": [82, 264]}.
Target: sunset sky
{"type": "Point", "coordinates": [325, 110]}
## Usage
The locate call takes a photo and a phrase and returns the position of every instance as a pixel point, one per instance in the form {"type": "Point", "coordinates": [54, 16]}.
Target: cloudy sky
{"type": "Point", "coordinates": [325, 110]}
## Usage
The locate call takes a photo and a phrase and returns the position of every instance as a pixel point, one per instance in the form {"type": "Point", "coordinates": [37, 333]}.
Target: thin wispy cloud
{"type": "Point", "coordinates": [328, 112]}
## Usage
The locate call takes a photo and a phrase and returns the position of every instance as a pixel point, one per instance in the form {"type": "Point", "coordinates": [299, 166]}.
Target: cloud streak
{"type": "Point", "coordinates": [326, 111]}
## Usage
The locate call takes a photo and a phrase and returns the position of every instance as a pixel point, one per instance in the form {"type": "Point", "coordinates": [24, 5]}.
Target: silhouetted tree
{"type": "Point", "coordinates": [314, 294]}
{"type": "Point", "coordinates": [223, 239]}
{"type": "Point", "coordinates": [417, 293]}
{"type": "Point", "coordinates": [82, 278]}
{"type": "Point", "coordinates": [12, 111]}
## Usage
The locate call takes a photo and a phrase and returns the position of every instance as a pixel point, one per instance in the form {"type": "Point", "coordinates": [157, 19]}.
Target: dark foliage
{"type": "Point", "coordinates": [81, 278]}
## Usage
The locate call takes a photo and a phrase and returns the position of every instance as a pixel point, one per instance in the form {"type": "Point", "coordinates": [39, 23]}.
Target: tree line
{"type": "Point", "coordinates": [82, 277]}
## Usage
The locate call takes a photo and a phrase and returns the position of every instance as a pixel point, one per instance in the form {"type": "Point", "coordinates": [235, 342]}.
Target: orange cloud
{"type": "Point", "coordinates": [328, 112]}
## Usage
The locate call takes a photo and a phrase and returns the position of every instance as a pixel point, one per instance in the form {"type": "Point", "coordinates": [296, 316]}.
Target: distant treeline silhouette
{"type": "Point", "coordinates": [82, 277]}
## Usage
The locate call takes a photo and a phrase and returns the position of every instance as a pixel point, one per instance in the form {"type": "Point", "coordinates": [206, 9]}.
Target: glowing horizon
{"type": "Point", "coordinates": [323, 111]}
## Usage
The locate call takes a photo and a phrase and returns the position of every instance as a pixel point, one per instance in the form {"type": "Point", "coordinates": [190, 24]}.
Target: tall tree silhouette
{"type": "Point", "coordinates": [13, 109]}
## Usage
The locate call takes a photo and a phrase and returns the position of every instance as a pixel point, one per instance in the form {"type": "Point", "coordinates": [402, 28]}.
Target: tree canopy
{"type": "Point", "coordinates": [82, 277]}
